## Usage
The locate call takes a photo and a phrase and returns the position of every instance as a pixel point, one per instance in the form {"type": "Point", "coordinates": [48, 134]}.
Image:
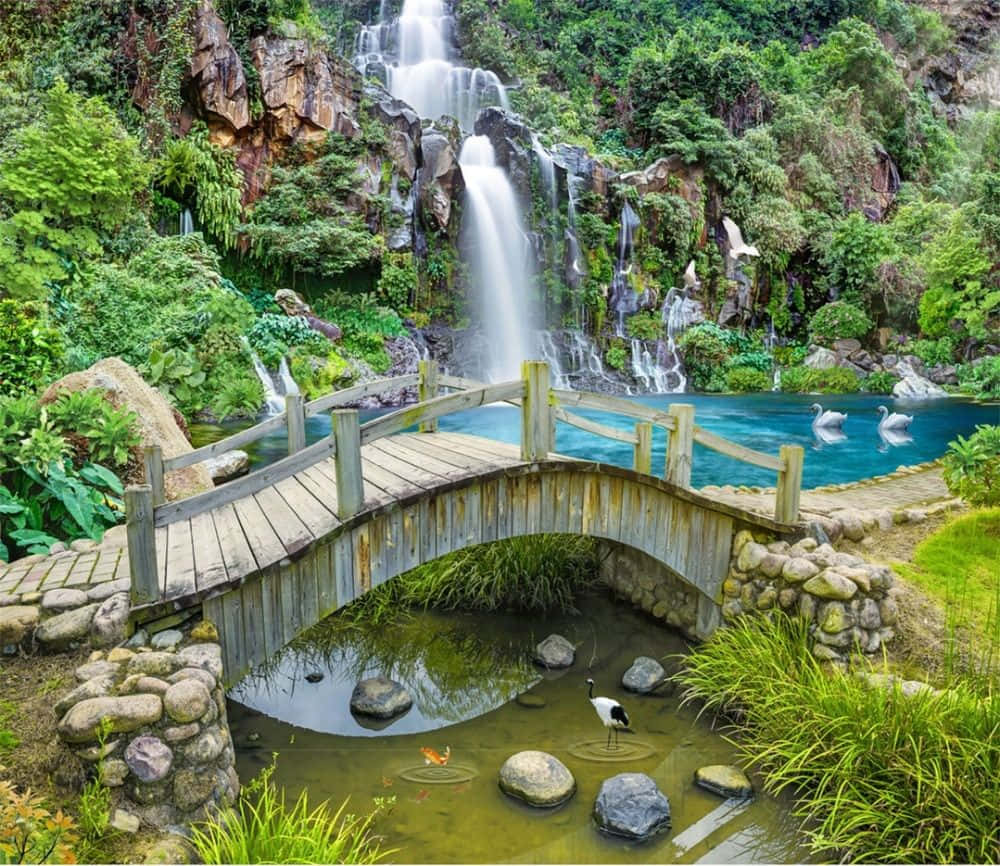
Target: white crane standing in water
{"type": "Point", "coordinates": [611, 713]}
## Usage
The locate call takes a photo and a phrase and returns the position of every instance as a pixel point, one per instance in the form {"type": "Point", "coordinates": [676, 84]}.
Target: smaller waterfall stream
{"type": "Point", "coordinates": [623, 298]}
{"type": "Point", "coordinates": [186, 222]}
{"type": "Point", "coordinates": [495, 243]}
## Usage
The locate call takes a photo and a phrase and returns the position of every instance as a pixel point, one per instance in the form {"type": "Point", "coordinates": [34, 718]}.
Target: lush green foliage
{"type": "Point", "coordinates": [982, 379]}
{"type": "Point", "coordinates": [397, 284]}
{"type": "Point", "coordinates": [705, 350]}
{"type": "Point", "coordinates": [747, 379]}
{"type": "Point", "coordinates": [365, 325]}
{"type": "Point", "coordinates": [878, 776]}
{"type": "Point", "coordinates": [534, 573]}
{"type": "Point", "coordinates": [240, 398]}
{"type": "Point", "coordinates": [616, 357]}
{"type": "Point", "coordinates": [265, 828]}
{"type": "Point", "coordinates": [272, 337]}
{"type": "Point", "coordinates": [972, 466]}
{"type": "Point", "coordinates": [956, 565]}
{"type": "Point", "coordinates": [194, 171]}
{"type": "Point", "coordinates": [880, 382]}
{"type": "Point", "coordinates": [838, 320]}
{"type": "Point", "coordinates": [73, 173]}
{"type": "Point", "coordinates": [644, 326]}
{"type": "Point", "coordinates": [30, 348]}
{"type": "Point", "coordinates": [30, 832]}
{"type": "Point", "coordinates": [104, 433]}
{"type": "Point", "coordinates": [805, 380]}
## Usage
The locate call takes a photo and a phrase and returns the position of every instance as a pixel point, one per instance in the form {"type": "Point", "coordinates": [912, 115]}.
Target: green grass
{"type": "Point", "coordinates": [959, 565]}
{"type": "Point", "coordinates": [265, 828]}
{"type": "Point", "coordinates": [535, 573]}
{"type": "Point", "coordinates": [878, 777]}
{"type": "Point", "coordinates": [8, 739]}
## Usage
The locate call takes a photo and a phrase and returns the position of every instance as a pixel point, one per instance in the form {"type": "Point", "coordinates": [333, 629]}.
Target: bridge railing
{"type": "Point", "coordinates": [541, 408]}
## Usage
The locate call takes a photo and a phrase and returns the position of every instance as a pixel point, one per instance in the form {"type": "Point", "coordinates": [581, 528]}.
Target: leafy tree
{"type": "Point", "coordinates": [74, 173]}
{"type": "Point", "coordinates": [856, 248]}
{"type": "Point", "coordinates": [30, 348]}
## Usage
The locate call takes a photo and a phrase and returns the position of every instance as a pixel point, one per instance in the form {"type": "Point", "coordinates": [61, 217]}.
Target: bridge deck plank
{"type": "Point", "coordinates": [486, 450]}
{"type": "Point", "coordinates": [179, 578]}
{"type": "Point", "coordinates": [430, 460]}
{"type": "Point", "coordinates": [389, 455]}
{"type": "Point", "coordinates": [310, 510]}
{"type": "Point", "coordinates": [321, 488]}
{"type": "Point", "coordinates": [236, 550]}
{"type": "Point", "coordinates": [209, 560]}
{"type": "Point", "coordinates": [287, 525]}
{"type": "Point", "coordinates": [432, 445]}
{"type": "Point", "coordinates": [264, 542]}
{"type": "Point", "coordinates": [394, 485]}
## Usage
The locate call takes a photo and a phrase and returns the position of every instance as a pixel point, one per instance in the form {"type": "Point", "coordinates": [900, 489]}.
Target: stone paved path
{"type": "Point", "coordinates": [907, 487]}
{"type": "Point", "coordinates": [95, 564]}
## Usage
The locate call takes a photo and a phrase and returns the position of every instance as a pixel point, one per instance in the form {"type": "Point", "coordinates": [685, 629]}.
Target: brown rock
{"type": "Point", "coordinates": [17, 621]}
{"type": "Point", "coordinates": [219, 82]}
{"type": "Point", "coordinates": [125, 388]}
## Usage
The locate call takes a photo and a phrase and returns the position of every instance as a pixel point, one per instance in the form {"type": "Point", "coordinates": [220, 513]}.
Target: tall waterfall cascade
{"type": "Point", "coordinates": [413, 55]}
{"type": "Point", "coordinates": [495, 241]}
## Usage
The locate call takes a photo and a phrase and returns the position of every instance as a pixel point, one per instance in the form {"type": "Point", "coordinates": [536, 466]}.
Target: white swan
{"type": "Point", "coordinates": [828, 418]}
{"type": "Point", "coordinates": [895, 421]}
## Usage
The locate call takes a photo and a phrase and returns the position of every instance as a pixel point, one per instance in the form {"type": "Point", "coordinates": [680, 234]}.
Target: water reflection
{"type": "Point", "coordinates": [889, 438]}
{"type": "Point", "coordinates": [827, 436]}
{"type": "Point", "coordinates": [451, 672]}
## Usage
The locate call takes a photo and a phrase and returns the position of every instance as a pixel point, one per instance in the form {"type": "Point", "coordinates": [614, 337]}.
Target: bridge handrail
{"type": "Point", "coordinates": [350, 395]}
{"type": "Point", "coordinates": [541, 407]}
{"type": "Point", "coordinates": [437, 407]}
{"type": "Point", "coordinates": [738, 452]}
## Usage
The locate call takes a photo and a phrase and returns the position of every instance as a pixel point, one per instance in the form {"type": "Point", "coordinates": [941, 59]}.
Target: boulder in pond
{"type": "Point", "coordinates": [724, 780]}
{"type": "Point", "coordinates": [555, 652]}
{"type": "Point", "coordinates": [644, 675]}
{"type": "Point", "coordinates": [380, 697]}
{"type": "Point", "coordinates": [631, 805]}
{"type": "Point", "coordinates": [538, 778]}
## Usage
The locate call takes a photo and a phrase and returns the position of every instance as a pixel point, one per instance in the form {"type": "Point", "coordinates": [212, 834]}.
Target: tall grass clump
{"type": "Point", "coordinates": [878, 776]}
{"type": "Point", "coordinates": [534, 573]}
{"type": "Point", "coordinates": [264, 828]}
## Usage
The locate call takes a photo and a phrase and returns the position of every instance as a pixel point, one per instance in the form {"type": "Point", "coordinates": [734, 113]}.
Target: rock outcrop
{"type": "Point", "coordinates": [441, 181]}
{"type": "Point", "coordinates": [219, 83]}
{"type": "Point", "coordinates": [156, 420]}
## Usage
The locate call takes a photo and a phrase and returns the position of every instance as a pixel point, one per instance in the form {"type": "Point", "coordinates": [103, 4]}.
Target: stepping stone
{"type": "Point", "coordinates": [644, 675]}
{"type": "Point", "coordinates": [724, 780]}
{"type": "Point", "coordinates": [631, 805]}
{"type": "Point", "coordinates": [555, 652]}
{"type": "Point", "coordinates": [380, 698]}
{"type": "Point", "coordinates": [537, 778]}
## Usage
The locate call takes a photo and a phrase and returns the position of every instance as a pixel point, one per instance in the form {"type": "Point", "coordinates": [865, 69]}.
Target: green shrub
{"type": "Point", "coordinates": [790, 355]}
{"type": "Point", "coordinates": [838, 320]}
{"type": "Point", "coordinates": [239, 398]}
{"type": "Point", "coordinates": [972, 466]}
{"type": "Point", "coordinates": [881, 382]}
{"type": "Point", "coordinates": [616, 357]}
{"type": "Point", "coordinates": [272, 336]}
{"type": "Point", "coordinates": [30, 348]}
{"type": "Point", "coordinates": [110, 433]}
{"type": "Point", "coordinates": [982, 380]}
{"type": "Point", "coordinates": [933, 352]}
{"type": "Point", "coordinates": [878, 776]}
{"type": "Point", "coordinates": [644, 326]}
{"type": "Point", "coordinates": [317, 375]}
{"type": "Point", "coordinates": [179, 375]}
{"type": "Point", "coordinates": [534, 573]}
{"type": "Point", "coordinates": [264, 828]}
{"type": "Point", "coordinates": [804, 380]}
{"type": "Point", "coordinates": [744, 379]}
{"type": "Point", "coordinates": [755, 360]}
{"type": "Point", "coordinates": [398, 281]}
{"type": "Point", "coordinates": [705, 349]}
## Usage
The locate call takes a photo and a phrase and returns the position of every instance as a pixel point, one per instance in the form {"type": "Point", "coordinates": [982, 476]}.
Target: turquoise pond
{"type": "Point", "coordinates": [760, 421]}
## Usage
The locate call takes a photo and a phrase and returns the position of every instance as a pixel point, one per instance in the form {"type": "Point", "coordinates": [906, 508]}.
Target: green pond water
{"type": "Point", "coordinates": [464, 672]}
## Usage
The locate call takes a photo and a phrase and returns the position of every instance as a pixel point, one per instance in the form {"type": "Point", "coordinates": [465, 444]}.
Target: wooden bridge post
{"type": "Point", "coordinates": [536, 428]}
{"type": "Point", "coordinates": [141, 537]}
{"type": "Point", "coordinates": [295, 418]}
{"type": "Point", "coordinates": [346, 430]}
{"type": "Point", "coordinates": [680, 448]}
{"type": "Point", "coordinates": [642, 458]}
{"type": "Point", "coordinates": [152, 458]}
{"type": "Point", "coordinates": [427, 389]}
{"type": "Point", "coordinates": [786, 497]}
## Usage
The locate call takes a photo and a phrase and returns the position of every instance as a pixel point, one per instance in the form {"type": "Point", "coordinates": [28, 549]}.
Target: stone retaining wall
{"type": "Point", "coordinates": [153, 723]}
{"type": "Point", "coordinates": [848, 602]}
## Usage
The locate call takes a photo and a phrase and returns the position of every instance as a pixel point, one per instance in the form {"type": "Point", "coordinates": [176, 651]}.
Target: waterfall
{"type": "Point", "coordinates": [273, 402]}
{"type": "Point", "coordinates": [550, 354]}
{"type": "Point", "coordinates": [423, 73]}
{"type": "Point", "coordinates": [495, 241]}
{"type": "Point", "coordinates": [573, 359]}
{"type": "Point", "coordinates": [675, 321]}
{"type": "Point", "coordinates": [187, 222]}
{"type": "Point", "coordinates": [288, 384]}
{"type": "Point", "coordinates": [623, 299]}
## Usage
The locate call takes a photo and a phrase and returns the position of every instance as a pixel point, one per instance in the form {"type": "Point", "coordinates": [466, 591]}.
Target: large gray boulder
{"type": "Point", "coordinates": [111, 620]}
{"type": "Point", "coordinates": [66, 628]}
{"type": "Point", "coordinates": [644, 675]}
{"type": "Point", "coordinates": [631, 805]}
{"type": "Point", "coordinates": [380, 698]}
{"type": "Point", "coordinates": [538, 778]}
{"type": "Point", "coordinates": [913, 385]}
{"type": "Point", "coordinates": [555, 652]}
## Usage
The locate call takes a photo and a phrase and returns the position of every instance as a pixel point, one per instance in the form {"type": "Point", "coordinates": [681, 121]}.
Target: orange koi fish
{"type": "Point", "coordinates": [422, 795]}
{"type": "Point", "coordinates": [433, 757]}
{"type": "Point", "coordinates": [386, 782]}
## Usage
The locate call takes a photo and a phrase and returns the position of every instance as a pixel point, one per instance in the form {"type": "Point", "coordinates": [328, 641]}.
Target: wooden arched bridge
{"type": "Point", "coordinates": [272, 553]}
